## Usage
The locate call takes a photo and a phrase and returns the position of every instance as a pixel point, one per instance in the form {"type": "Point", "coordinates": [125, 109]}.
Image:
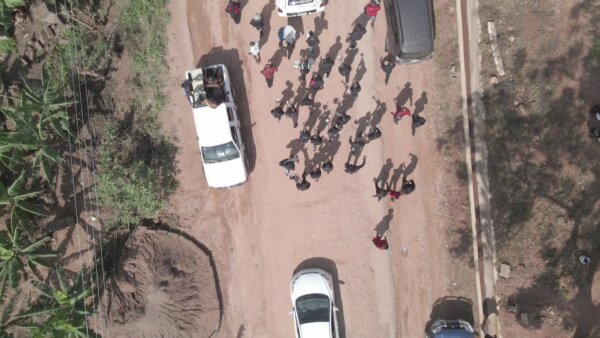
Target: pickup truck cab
{"type": "Point", "coordinates": [217, 126]}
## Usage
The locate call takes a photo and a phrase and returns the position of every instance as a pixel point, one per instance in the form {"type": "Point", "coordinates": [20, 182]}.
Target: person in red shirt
{"type": "Point", "coordinates": [381, 242]}
{"type": "Point", "coordinates": [394, 195]}
{"type": "Point", "coordinates": [400, 113]}
{"type": "Point", "coordinates": [371, 10]}
{"type": "Point", "coordinates": [269, 72]}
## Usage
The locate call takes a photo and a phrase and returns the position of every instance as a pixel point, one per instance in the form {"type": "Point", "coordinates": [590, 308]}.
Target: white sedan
{"type": "Point", "coordinates": [315, 313]}
{"type": "Point", "coordinates": [299, 7]}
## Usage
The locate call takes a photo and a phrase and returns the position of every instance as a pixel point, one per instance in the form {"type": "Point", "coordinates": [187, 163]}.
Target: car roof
{"type": "Point", "coordinates": [212, 125]}
{"type": "Point", "coordinates": [416, 25]}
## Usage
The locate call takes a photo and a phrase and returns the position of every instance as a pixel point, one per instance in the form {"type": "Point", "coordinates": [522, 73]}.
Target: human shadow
{"type": "Point", "coordinates": [266, 13]}
{"type": "Point", "coordinates": [288, 93]}
{"type": "Point", "coordinates": [328, 265]}
{"type": "Point", "coordinates": [384, 173]}
{"type": "Point", "coordinates": [295, 146]}
{"type": "Point", "coordinates": [412, 165]}
{"type": "Point", "coordinates": [296, 22]}
{"type": "Point", "coordinates": [313, 116]}
{"type": "Point", "coordinates": [361, 69]}
{"type": "Point", "coordinates": [350, 56]}
{"type": "Point", "coordinates": [331, 147]}
{"type": "Point", "coordinates": [362, 19]}
{"type": "Point", "coordinates": [232, 60]}
{"type": "Point", "coordinates": [384, 225]}
{"type": "Point", "coordinates": [451, 308]}
{"type": "Point", "coordinates": [278, 56]}
{"type": "Point", "coordinates": [321, 24]}
{"type": "Point", "coordinates": [396, 174]}
{"type": "Point", "coordinates": [335, 48]}
{"type": "Point", "coordinates": [362, 124]}
{"type": "Point", "coordinates": [405, 95]}
{"type": "Point", "coordinates": [378, 112]}
{"type": "Point", "coordinates": [420, 104]}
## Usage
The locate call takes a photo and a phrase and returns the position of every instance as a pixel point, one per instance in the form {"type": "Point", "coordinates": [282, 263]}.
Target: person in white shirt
{"type": "Point", "coordinates": [255, 51]}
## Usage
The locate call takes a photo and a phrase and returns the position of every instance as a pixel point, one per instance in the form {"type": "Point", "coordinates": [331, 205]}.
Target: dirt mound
{"type": "Point", "coordinates": [164, 287]}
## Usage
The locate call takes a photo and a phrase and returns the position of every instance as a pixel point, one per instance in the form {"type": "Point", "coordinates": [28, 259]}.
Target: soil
{"type": "Point", "coordinates": [263, 231]}
{"type": "Point", "coordinates": [544, 182]}
{"type": "Point", "coordinates": [164, 287]}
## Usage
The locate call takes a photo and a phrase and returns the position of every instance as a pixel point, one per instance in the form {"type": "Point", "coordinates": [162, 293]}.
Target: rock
{"type": "Point", "coordinates": [511, 38]}
{"type": "Point", "coordinates": [494, 80]}
{"type": "Point", "coordinates": [453, 69]}
{"type": "Point", "coordinates": [524, 319]}
{"type": "Point", "coordinates": [504, 271]}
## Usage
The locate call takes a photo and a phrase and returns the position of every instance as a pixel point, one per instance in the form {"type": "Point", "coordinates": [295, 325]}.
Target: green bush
{"type": "Point", "coordinates": [136, 174]}
{"type": "Point", "coordinates": [7, 46]}
{"type": "Point", "coordinates": [595, 52]}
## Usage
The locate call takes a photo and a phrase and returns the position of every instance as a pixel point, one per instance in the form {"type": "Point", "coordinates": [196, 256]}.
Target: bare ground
{"type": "Point", "coordinates": [543, 168]}
{"type": "Point", "coordinates": [261, 232]}
{"type": "Point", "coordinates": [163, 287]}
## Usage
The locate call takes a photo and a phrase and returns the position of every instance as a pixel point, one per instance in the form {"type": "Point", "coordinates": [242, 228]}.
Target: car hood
{"type": "Point", "coordinates": [308, 283]}
{"type": "Point", "coordinates": [226, 174]}
{"type": "Point", "coordinates": [315, 330]}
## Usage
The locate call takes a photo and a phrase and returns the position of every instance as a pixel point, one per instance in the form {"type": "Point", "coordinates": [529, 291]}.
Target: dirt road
{"type": "Point", "coordinates": [264, 230]}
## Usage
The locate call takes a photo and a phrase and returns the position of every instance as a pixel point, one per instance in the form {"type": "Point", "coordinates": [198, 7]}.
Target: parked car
{"type": "Point", "coordinates": [410, 30]}
{"type": "Point", "coordinates": [451, 329]}
{"type": "Point", "coordinates": [299, 7]}
{"type": "Point", "coordinates": [314, 310]}
{"type": "Point", "coordinates": [217, 126]}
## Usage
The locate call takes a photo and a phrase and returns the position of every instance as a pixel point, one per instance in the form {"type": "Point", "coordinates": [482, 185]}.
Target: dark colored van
{"type": "Point", "coordinates": [410, 30]}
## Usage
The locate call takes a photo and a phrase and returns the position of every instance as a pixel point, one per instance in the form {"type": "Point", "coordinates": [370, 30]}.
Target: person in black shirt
{"type": "Point", "coordinates": [408, 186]}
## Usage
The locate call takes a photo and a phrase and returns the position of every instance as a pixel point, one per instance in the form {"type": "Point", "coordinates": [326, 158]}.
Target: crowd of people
{"type": "Point", "coordinates": [325, 146]}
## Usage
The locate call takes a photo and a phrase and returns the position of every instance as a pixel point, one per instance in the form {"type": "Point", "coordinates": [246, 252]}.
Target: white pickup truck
{"type": "Point", "coordinates": [217, 126]}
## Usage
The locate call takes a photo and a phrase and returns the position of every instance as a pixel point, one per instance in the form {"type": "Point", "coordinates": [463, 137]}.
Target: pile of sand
{"type": "Point", "coordinates": [164, 287]}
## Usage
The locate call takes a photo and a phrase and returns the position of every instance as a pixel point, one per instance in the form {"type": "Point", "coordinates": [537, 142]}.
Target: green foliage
{"type": "Point", "coordinates": [14, 199]}
{"type": "Point", "coordinates": [595, 52]}
{"type": "Point", "coordinates": [14, 3]}
{"type": "Point", "coordinates": [7, 46]}
{"type": "Point", "coordinates": [136, 175]}
{"type": "Point", "coordinates": [16, 255]}
{"type": "Point", "coordinates": [41, 125]}
{"type": "Point", "coordinates": [5, 17]}
{"type": "Point", "coordinates": [59, 312]}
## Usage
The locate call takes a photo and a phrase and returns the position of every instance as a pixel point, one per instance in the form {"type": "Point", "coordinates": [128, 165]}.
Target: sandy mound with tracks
{"type": "Point", "coordinates": [164, 287]}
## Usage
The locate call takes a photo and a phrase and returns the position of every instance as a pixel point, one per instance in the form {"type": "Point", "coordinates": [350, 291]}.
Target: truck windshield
{"type": "Point", "coordinates": [220, 153]}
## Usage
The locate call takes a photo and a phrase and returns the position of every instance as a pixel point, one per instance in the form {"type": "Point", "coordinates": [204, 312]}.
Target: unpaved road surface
{"type": "Point", "coordinates": [262, 231]}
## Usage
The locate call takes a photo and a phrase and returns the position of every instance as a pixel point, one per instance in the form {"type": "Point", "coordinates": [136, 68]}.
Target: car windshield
{"type": "Point", "coordinates": [298, 2]}
{"type": "Point", "coordinates": [220, 153]}
{"type": "Point", "coordinates": [313, 308]}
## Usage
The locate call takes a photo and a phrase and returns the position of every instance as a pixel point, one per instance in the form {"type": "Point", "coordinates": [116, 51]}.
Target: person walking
{"type": "Point", "coordinates": [312, 41]}
{"type": "Point", "coordinates": [315, 173]}
{"type": "Point", "coordinates": [327, 166]}
{"type": "Point", "coordinates": [287, 39]}
{"type": "Point", "coordinates": [380, 192]}
{"type": "Point", "coordinates": [289, 163]}
{"type": "Point", "coordinates": [380, 242]}
{"type": "Point", "coordinates": [258, 23]}
{"type": "Point", "coordinates": [301, 182]}
{"type": "Point", "coordinates": [352, 168]}
{"type": "Point", "coordinates": [345, 70]}
{"type": "Point", "coordinates": [387, 65]}
{"type": "Point", "coordinates": [394, 195]}
{"type": "Point", "coordinates": [371, 10]}
{"type": "Point", "coordinates": [354, 89]}
{"type": "Point", "coordinates": [408, 186]}
{"type": "Point", "coordinates": [316, 82]}
{"type": "Point", "coordinates": [269, 73]}
{"type": "Point", "coordinates": [233, 8]}
{"type": "Point", "coordinates": [327, 65]}
{"type": "Point", "coordinates": [304, 67]}
{"type": "Point", "coordinates": [357, 33]}
{"type": "Point", "coordinates": [400, 113]}
{"type": "Point", "coordinates": [255, 51]}
{"type": "Point", "coordinates": [417, 121]}
{"type": "Point", "coordinates": [374, 133]}
{"type": "Point", "coordinates": [277, 112]}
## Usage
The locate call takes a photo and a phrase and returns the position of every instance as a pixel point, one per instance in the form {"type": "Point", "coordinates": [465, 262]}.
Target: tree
{"type": "Point", "coordinates": [60, 312]}
{"type": "Point", "coordinates": [17, 255]}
